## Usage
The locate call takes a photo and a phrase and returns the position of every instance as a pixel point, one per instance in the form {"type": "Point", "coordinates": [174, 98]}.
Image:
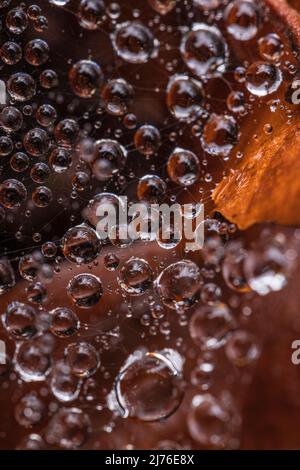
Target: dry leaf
{"type": "Point", "coordinates": [265, 186]}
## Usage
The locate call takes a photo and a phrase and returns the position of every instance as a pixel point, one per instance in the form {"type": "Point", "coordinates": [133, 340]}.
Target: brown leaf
{"type": "Point", "coordinates": [265, 185]}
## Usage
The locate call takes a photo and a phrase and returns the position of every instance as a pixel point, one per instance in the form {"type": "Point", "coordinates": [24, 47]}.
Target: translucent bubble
{"type": "Point", "coordinates": [202, 375]}
{"type": "Point", "coordinates": [64, 385]}
{"type": "Point", "coordinates": [110, 158]}
{"type": "Point", "coordinates": [42, 196]}
{"type": "Point", "coordinates": [64, 322]}
{"type": "Point", "coordinates": [85, 290]}
{"type": "Point", "coordinates": [30, 410]}
{"type": "Point", "coordinates": [46, 115]}
{"type": "Point", "coordinates": [162, 6]}
{"type": "Point", "coordinates": [80, 244]}
{"type": "Point", "coordinates": [263, 78]}
{"type": "Point", "coordinates": [204, 50]}
{"type": "Point", "coordinates": [60, 159]}
{"type": "Point", "coordinates": [93, 210]}
{"type": "Point", "coordinates": [168, 236]}
{"type": "Point", "coordinates": [69, 428]}
{"type": "Point", "coordinates": [130, 121]}
{"type": "Point", "coordinates": [31, 362]}
{"type": "Point", "coordinates": [31, 442]}
{"type": "Point", "coordinates": [151, 188]}
{"type": "Point", "coordinates": [39, 172]}
{"type": "Point", "coordinates": [80, 180]}
{"type": "Point", "coordinates": [242, 349]}
{"type": "Point", "coordinates": [40, 24]}
{"type": "Point", "coordinates": [91, 13]}
{"type": "Point", "coordinates": [179, 284]}
{"type": "Point", "coordinates": [33, 11]}
{"type": "Point", "coordinates": [36, 52]}
{"type": "Point", "coordinates": [48, 79]}
{"type": "Point", "coordinates": [210, 326]}
{"type": "Point", "coordinates": [12, 193]}
{"type": "Point", "coordinates": [36, 293]}
{"type": "Point", "coordinates": [20, 320]}
{"type": "Point", "coordinates": [85, 78]}
{"type": "Point", "coordinates": [49, 249]}
{"type": "Point", "coordinates": [6, 145]}
{"type": "Point", "coordinates": [135, 276]}
{"type": "Point", "coordinates": [233, 267]}
{"type": "Point", "coordinates": [267, 268]}
{"type": "Point", "coordinates": [210, 293]}
{"type": "Point", "coordinates": [66, 132]}
{"type": "Point", "coordinates": [183, 167]}
{"type": "Point", "coordinates": [36, 142]}
{"type": "Point", "coordinates": [147, 140]}
{"type": "Point", "coordinates": [134, 42]}
{"type": "Point", "coordinates": [208, 422]}
{"type": "Point", "coordinates": [111, 262]}
{"type": "Point", "coordinates": [7, 276]}
{"type": "Point", "coordinates": [236, 102]}
{"type": "Point", "coordinates": [117, 96]}
{"type": "Point", "coordinates": [114, 10]}
{"type": "Point", "coordinates": [242, 19]}
{"type": "Point", "coordinates": [19, 162]}
{"type": "Point", "coordinates": [21, 86]}
{"type": "Point", "coordinates": [11, 53]}
{"type": "Point", "coordinates": [29, 266]}
{"type": "Point", "coordinates": [149, 386]}
{"type": "Point", "coordinates": [82, 358]}
{"type": "Point", "coordinates": [16, 21]}
{"type": "Point", "coordinates": [220, 134]}
{"type": "Point", "coordinates": [185, 97]}
{"type": "Point", "coordinates": [271, 47]}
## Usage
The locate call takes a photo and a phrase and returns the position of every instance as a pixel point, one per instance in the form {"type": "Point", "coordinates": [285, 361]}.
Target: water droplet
{"type": "Point", "coordinates": [12, 193]}
{"type": "Point", "coordinates": [183, 167]}
{"type": "Point", "coordinates": [20, 320]}
{"type": "Point", "coordinates": [64, 322]}
{"type": "Point", "coordinates": [185, 97]}
{"type": "Point", "coordinates": [21, 86]}
{"type": "Point", "coordinates": [149, 387]}
{"type": "Point", "coordinates": [179, 284]}
{"type": "Point", "coordinates": [210, 326]}
{"type": "Point", "coordinates": [80, 244]}
{"type": "Point", "coordinates": [30, 410]}
{"type": "Point", "coordinates": [85, 78]}
{"type": "Point", "coordinates": [117, 96]}
{"type": "Point", "coordinates": [151, 188]}
{"type": "Point", "coordinates": [263, 79]}
{"type": "Point", "coordinates": [134, 42]}
{"type": "Point", "coordinates": [69, 428]}
{"type": "Point", "coordinates": [85, 290]}
{"type": "Point", "coordinates": [204, 50]}
{"type": "Point", "coordinates": [147, 140]}
{"type": "Point", "coordinates": [36, 52]}
{"type": "Point", "coordinates": [82, 358]}
{"type": "Point", "coordinates": [135, 276]}
{"type": "Point", "coordinates": [241, 349]}
{"type": "Point", "coordinates": [242, 19]}
{"type": "Point", "coordinates": [220, 134]}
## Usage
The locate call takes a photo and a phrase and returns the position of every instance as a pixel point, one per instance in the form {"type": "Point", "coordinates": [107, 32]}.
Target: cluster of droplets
{"type": "Point", "coordinates": [59, 148]}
